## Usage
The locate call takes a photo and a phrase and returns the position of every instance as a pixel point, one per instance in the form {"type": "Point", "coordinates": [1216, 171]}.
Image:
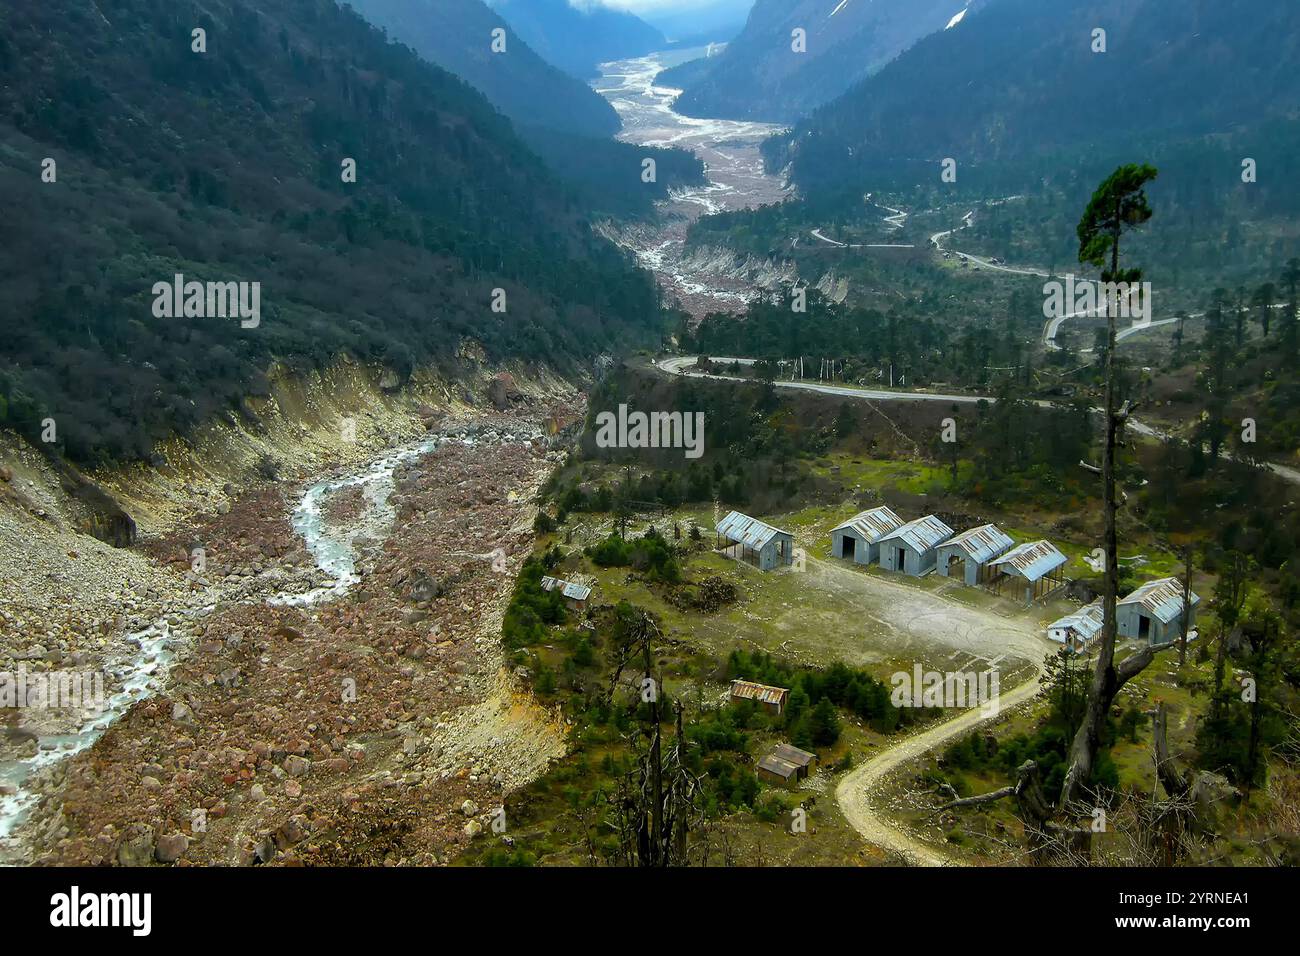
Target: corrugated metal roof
{"type": "Point", "coordinates": [1033, 560]}
{"type": "Point", "coordinates": [792, 754]}
{"type": "Point", "coordinates": [921, 534]}
{"type": "Point", "coordinates": [982, 543]}
{"type": "Point", "coordinates": [764, 693]}
{"type": "Point", "coordinates": [577, 592]}
{"type": "Point", "coordinates": [871, 525]}
{"type": "Point", "coordinates": [1163, 598]}
{"type": "Point", "coordinates": [748, 531]}
{"type": "Point", "coordinates": [1086, 622]}
{"type": "Point", "coordinates": [782, 768]}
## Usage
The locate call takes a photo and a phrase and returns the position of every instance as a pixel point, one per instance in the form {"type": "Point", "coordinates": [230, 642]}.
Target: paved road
{"type": "Point", "coordinates": [678, 365]}
{"type": "Point", "coordinates": [817, 234]}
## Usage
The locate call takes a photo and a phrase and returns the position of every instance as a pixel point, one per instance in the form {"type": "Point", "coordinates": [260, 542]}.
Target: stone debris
{"type": "Point", "coordinates": [355, 729]}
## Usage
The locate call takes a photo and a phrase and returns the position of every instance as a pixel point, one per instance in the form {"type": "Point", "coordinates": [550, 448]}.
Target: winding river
{"type": "Point", "coordinates": [141, 667]}
{"type": "Point", "coordinates": [733, 167]}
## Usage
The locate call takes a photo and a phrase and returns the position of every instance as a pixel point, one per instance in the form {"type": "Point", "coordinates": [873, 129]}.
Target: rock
{"type": "Point", "coordinates": [265, 850]}
{"type": "Point", "coordinates": [296, 766]}
{"type": "Point", "coordinates": [137, 845]}
{"type": "Point", "coordinates": [171, 847]}
{"type": "Point", "coordinates": [473, 828]}
{"type": "Point", "coordinates": [422, 587]}
{"type": "Point", "coordinates": [502, 391]}
{"type": "Point", "coordinates": [182, 714]}
{"type": "Point", "coordinates": [292, 789]}
{"type": "Point", "coordinates": [469, 808]}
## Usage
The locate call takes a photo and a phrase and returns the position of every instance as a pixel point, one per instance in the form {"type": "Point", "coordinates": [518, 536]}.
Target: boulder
{"type": "Point", "coordinates": [136, 847]}
{"type": "Point", "coordinates": [171, 847]}
{"type": "Point", "coordinates": [502, 391]}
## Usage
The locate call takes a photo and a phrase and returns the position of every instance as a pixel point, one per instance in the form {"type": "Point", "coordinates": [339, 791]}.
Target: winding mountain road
{"type": "Point", "coordinates": [854, 792]}
{"type": "Point", "coordinates": [679, 365]}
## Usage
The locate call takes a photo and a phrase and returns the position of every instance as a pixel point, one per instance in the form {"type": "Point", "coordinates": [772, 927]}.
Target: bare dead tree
{"type": "Point", "coordinates": [657, 804]}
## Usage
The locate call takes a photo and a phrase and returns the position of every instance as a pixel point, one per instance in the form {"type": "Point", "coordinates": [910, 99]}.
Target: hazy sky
{"type": "Point", "coordinates": [649, 6]}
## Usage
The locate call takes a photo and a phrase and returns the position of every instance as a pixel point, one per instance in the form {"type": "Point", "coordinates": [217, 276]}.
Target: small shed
{"type": "Point", "coordinates": [1154, 612]}
{"type": "Point", "coordinates": [805, 761]}
{"type": "Point", "coordinates": [786, 765]}
{"type": "Point", "coordinates": [755, 542]}
{"type": "Point", "coordinates": [775, 770]}
{"type": "Point", "coordinates": [772, 699]}
{"type": "Point", "coordinates": [1038, 564]}
{"type": "Point", "coordinates": [968, 554]}
{"type": "Point", "coordinates": [1077, 630]}
{"type": "Point", "coordinates": [575, 595]}
{"type": "Point", "coordinates": [858, 539]}
{"type": "Point", "coordinates": [913, 547]}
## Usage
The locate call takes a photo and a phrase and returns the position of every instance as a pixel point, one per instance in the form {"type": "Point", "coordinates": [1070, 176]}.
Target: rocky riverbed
{"type": "Point", "coordinates": [311, 673]}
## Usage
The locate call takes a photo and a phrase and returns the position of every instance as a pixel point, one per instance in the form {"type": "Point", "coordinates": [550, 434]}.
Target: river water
{"type": "Point", "coordinates": [143, 662]}
{"type": "Point", "coordinates": [734, 168]}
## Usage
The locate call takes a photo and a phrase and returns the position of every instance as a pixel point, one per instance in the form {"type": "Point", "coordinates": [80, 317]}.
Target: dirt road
{"type": "Point", "coordinates": [855, 790]}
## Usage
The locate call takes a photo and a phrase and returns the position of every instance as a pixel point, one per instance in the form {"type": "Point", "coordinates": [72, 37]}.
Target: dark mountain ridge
{"type": "Point", "coordinates": [227, 166]}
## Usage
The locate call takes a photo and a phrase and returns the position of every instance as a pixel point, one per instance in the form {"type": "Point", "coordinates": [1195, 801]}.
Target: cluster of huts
{"type": "Point", "coordinates": [983, 556]}
{"type": "Point", "coordinates": [785, 764]}
{"type": "Point", "coordinates": [1153, 613]}
{"type": "Point", "coordinates": [980, 557]}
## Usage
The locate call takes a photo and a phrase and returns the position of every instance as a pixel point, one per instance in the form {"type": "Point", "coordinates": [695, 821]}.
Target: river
{"type": "Point", "coordinates": [702, 282]}
{"type": "Point", "coordinates": [142, 663]}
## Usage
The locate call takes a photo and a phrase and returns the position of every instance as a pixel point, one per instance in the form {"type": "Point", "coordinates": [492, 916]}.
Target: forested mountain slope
{"type": "Point", "coordinates": [225, 166]}
{"type": "Point", "coordinates": [577, 39]}
{"type": "Point", "coordinates": [1019, 81]}
{"type": "Point", "coordinates": [568, 124]}
{"type": "Point", "coordinates": [1015, 95]}
{"type": "Point", "coordinates": [760, 76]}
{"type": "Point", "coordinates": [457, 35]}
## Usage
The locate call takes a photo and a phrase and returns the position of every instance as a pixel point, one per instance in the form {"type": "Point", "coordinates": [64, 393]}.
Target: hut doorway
{"type": "Point", "coordinates": [849, 548]}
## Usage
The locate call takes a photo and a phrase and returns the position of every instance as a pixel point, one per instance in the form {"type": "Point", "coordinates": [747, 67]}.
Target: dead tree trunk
{"type": "Point", "coordinates": [1105, 682]}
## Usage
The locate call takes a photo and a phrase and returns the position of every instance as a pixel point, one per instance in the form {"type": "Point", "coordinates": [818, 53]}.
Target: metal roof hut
{"type": "Point", "coordinates": [775, 770]}
{"type": "Point", "coordinates": [786, 765]}
{"type": "Point", "coordinates": [858, 538]}
{"type": "Point", "coordinates": [1037, 563]}
{"type": "Point", "coordinates": [772, 699]}
{"type": "Point", "coordinates": [972, 551]}
{"type": "Point", "coordinates": [575, 595]}
{"type": "Point", "coordinates": [753, 541]}
{"type": "Point", "coordinates": [805, 761]}
{"type": "Point", "coordinates": [913, 548]}
{"type": "Point", "coordinates": [1154, 612]}
{"type": "Point", "coordinates": [1076, 631]}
